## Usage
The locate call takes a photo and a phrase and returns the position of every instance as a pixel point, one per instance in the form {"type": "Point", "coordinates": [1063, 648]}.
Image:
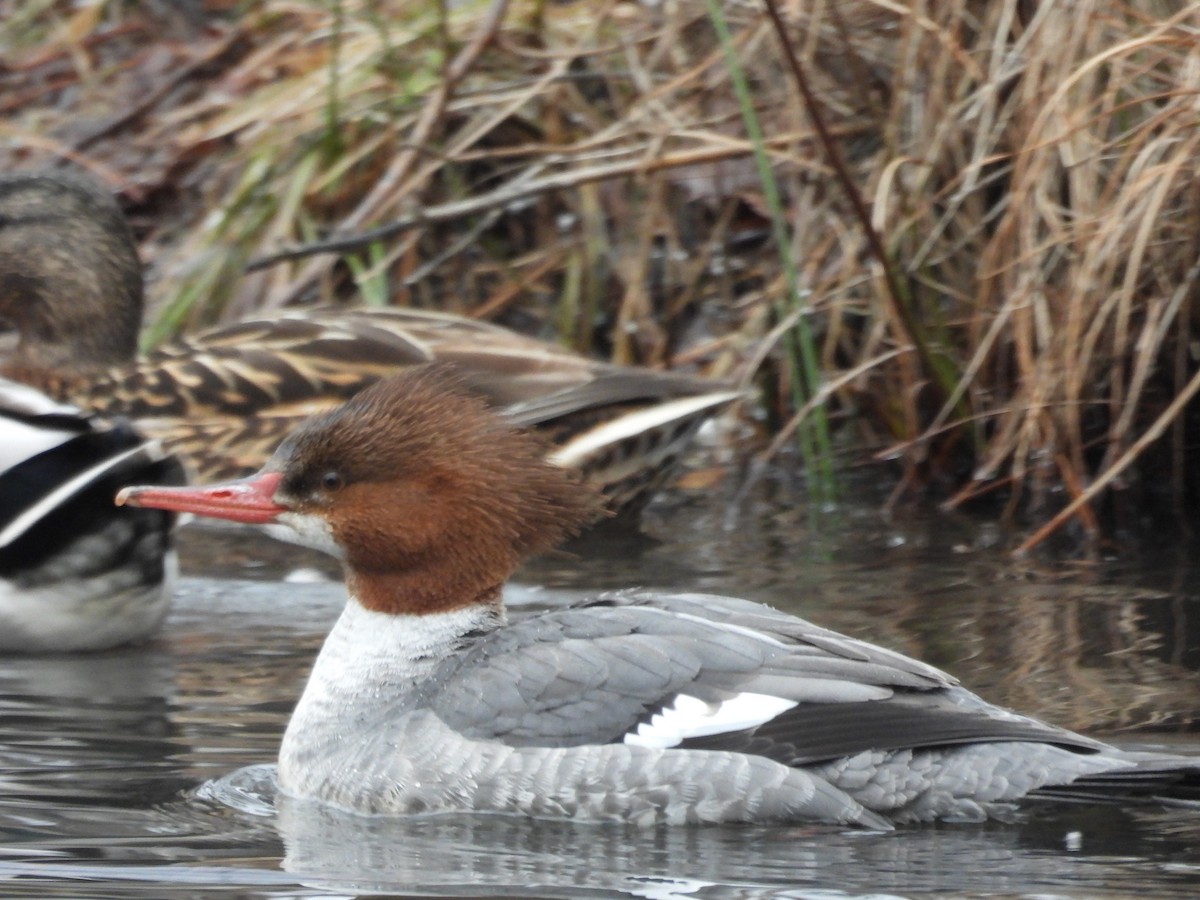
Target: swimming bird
{"type": "Point", "coordinates": [71, 296]}
{"type": "Point", "coordinates": [635, 706]}
{"type": "Point", "coordinates": [76, 573]}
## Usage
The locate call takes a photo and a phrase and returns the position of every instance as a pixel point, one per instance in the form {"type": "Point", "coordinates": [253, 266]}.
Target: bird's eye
{"type": "Point", "coordinates": [331, 481]}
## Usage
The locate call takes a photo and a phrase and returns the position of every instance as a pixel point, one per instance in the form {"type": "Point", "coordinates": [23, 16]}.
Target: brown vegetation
{"type": "Point", "coordinates": [583, 169]}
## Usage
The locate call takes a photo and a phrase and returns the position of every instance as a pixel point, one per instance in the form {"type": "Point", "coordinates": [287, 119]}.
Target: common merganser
{"type": "Point", "coordinates": [635, 706]}
{"type": "Point", "coordinates": [75, 572]}
{"type": "Point", "coordinates": [222, 400]}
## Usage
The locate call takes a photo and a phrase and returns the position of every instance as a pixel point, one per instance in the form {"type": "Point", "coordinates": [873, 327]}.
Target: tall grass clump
{"type": "Point", "coordinates": [1035, 180]}
{"type": "Point", "coordinates": [1031, 171]}
{"type": "Point", "coordinates": [998, 294]}
{"type": "Point", "coordinates": [798, 350]}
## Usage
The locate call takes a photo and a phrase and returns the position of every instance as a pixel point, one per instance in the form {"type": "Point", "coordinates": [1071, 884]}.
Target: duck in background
{"type": "Point", "coordinates": [74, 575]}
{"type": "Point", "coordinates": [640, 707]}
{"type": "Point", "coordinates": [71, 292]}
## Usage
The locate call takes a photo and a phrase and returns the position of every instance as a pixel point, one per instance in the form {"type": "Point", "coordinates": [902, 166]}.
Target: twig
{"type": "Point", "coordinates": [821, 395]}
{"type": "Point", "coordinates": [1148, 437]}
{"type": "Point", "coordinates": [401, 166]}
{"type": "Point", "coordinates": [520, 188]}
{"type": "Point", "coordinates": [815, 114]}
{"type": "Point", "coordinates": [758, 465]}
{"type": "Point", "coordinates": [431, 112]}
{"type": "Point", "coordinates": [143, 106]}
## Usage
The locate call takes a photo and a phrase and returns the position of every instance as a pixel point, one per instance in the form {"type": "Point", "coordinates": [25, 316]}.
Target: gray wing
{"type": "Point", "coordinates": [754, 680]}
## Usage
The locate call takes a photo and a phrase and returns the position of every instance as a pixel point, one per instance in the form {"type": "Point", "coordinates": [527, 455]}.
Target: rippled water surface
{"type": "Point", "coordinates": [124, 774]}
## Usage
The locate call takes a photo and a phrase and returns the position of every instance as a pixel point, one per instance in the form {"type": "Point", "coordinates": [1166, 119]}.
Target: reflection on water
{"type": "Point", "coordinates": [67, 725]}
{"type": "Point", "coordinates": [464, 855]}
{"type": "Point", "coordinates": [122, 774]}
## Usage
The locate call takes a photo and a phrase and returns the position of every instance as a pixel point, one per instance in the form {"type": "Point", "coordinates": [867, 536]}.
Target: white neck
{"type": "Point", "coordinates": [370, 663]}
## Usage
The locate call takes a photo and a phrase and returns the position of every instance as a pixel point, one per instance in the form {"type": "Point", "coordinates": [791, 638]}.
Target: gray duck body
{"type": "Point", "coordinates": [577, 713]}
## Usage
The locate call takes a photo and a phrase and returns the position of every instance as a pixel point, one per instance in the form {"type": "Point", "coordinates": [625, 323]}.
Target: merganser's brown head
{"type": "Point", "coordinates": [431, 499]}
{"type": "Point", "coordinates": [70, 278]}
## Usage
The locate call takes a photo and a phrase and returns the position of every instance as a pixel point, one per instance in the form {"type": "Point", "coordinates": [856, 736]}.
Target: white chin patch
{"type": "Point", "coordinates": [307, 531]}
{"type": "Point", "coordinates": [690, 717]}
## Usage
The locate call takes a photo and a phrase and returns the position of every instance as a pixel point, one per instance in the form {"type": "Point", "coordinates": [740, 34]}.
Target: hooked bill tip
{"type": "Point", "coordinates": [249, 500]}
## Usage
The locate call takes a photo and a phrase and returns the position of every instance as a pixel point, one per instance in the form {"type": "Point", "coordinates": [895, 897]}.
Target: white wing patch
{"type": "Point", "coordinates": [690, 717]}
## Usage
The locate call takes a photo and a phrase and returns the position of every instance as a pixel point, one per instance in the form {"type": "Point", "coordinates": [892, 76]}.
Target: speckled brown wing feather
{"type": "Point", "coordinates": [224, 399]}
{"type": "Point", "coordinates": [221, 449]}
{"type": "Point", "coordinates": [288, 365]}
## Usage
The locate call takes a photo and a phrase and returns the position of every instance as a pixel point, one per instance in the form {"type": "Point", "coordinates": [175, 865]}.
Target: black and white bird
{"type": "Point", "coordinates": [76, 572]}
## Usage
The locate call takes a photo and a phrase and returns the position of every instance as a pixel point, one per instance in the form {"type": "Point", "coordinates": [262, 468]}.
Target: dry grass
{"type": "Point", "coordinates": [581, 170]}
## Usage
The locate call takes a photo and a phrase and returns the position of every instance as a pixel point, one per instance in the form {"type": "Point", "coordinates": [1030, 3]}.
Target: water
{"type": "Point", "coordinates": [123, 774]}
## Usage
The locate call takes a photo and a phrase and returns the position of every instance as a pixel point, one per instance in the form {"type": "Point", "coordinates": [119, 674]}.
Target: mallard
{"type": "Point", "coordinates": [71, 294]}
{"type": "Point", "coordinates": [77, 572]}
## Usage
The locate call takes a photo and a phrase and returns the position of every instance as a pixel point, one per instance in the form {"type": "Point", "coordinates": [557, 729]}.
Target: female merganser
{"type": "Point", "coordinates": [635, 706]}
{"type": "Point", "coordinates": [71, 288]}
{"type": "Point", "coordinates": [74, 576]}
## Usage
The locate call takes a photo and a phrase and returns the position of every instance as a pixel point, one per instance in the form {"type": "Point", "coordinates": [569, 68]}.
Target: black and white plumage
{"type": "Point", "coordinates": [76, 572]}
